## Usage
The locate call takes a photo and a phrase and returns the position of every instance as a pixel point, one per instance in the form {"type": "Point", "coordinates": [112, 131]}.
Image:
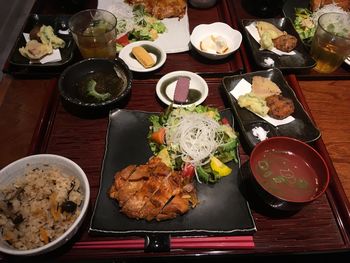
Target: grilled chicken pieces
{"type": "Point", "coordinates": [152, 191]}
{"type": "Point", "coordinates": [162, 8]}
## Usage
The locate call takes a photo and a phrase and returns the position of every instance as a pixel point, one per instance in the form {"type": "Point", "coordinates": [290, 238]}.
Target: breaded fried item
{"type": "Point", "coordinates": [162, 8]}
{"type": "Point", "coordinates": [285, 43]}
{"type": "Point", "coordinates": [280, 107]}
{"type": "Point", "coordinates": [35, 50]}
{"type": "Point", "coordinates": [264, 87]}
{"type": "Point", "coordinates": [266, 27]}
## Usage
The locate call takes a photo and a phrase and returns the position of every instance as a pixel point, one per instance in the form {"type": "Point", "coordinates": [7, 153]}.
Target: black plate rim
{"type": "Point", "coordinates": [286, 85]}
{"type": "Point", "coordinates": [301, 49]}
{"type": "Point", "coordinates": [97, 231]}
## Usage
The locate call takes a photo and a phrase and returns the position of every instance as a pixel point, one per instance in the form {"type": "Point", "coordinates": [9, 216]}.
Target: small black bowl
{"type": "Point", "coordinates": [112, 75]}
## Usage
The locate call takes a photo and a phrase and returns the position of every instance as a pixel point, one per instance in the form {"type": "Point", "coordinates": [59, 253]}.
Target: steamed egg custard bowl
{"type": "Point", "coordinates": [287, 173]}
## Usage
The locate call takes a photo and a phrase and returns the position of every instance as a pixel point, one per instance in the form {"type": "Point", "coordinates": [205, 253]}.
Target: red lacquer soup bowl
{"type": "Point", "coordinates": [287, 173]}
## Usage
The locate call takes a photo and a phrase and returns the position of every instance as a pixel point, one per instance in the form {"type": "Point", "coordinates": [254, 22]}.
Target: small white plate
{"type": "Point", "coordinates": [198, 90]}
{"type": "Point", "coordinates": [174, 40]}
{"type": "Point", "coordinates": [156, 52]}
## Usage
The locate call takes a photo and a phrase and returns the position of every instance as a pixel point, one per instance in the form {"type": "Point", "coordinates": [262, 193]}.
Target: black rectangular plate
{"type": "Point", "coordinates": [300, 61]}
{"type": "Point", "coordinates": [20, 62]}
{"type": "Point", "coordinates": [222, 208]}
{"type": "Point", "coordinates": [302, 128]}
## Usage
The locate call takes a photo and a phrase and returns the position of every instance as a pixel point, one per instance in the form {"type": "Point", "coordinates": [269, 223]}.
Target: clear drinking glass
{"type": "Point", "coordinates": [94, 31]}
{"type": "Point", "coordinates": [331, 43]}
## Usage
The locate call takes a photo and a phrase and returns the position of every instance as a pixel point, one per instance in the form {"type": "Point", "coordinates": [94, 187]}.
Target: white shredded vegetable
{"type": "Point", "coordinates": [326, 9]}
{"type": "Point", "coordinates": [197, 136]}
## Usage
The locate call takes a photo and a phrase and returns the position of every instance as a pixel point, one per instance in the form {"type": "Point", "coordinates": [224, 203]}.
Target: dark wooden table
{"type": "Point", "coordinates": [321, 227]}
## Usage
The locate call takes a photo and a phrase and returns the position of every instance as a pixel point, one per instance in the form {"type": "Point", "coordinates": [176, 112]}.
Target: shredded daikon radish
{"type": "Point", "coordinates": [197, 137]}
{"type": "Point", "coordinates": [326, 9]}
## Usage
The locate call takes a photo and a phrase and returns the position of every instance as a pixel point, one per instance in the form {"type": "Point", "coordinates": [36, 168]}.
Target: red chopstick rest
{"type": "Point", "coordinates": [182, 89]}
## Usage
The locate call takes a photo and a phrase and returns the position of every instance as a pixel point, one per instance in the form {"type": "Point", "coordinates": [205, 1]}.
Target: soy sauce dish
{"type": "Point", "coordinates": [197, 93]}
{"type": "Point", "coordinates": [156, 52]}
{"type": "Point", "coordinates": [287, 174]}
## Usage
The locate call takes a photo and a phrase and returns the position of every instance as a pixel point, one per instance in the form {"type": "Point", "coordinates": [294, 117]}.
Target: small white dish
{"type": "Point", "coordinates": [198, 90]}
{"type": "Point", "coordinates": [232, 37]}
{"type": "Point", "coordinates": [156, 52]}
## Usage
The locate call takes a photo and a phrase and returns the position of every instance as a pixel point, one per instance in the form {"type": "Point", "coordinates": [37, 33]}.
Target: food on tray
{"type": "Point", "coordinates": [286, 175]}
{"type": "Point", "coordinates": [191, 138]}
{"type": "Point", "coordinates": [285, 43]}
{"type": "Point", "coordinates": [272, 37]}
{"type": "Point", "coordinates": [162, 8]}
{"type": "Point", "coordinates": [186, 142]}
{"type": "Point", "coordinates": [260, 133]}
{"type": "Point", "coordinates": [264, 87]}
{"type": "Point", "coordinates": [42, 42]}
{"type": "Point", "coordinates": [253, 103]}
{"type": "Point", "coordinates": [268, 28]}
{"type": "Point", "coordinates": [143, 57]}
{"type": "Point", "coordinates": [266, 99]}
{"type": "Point", "coordinates": [214, 44]}
{"type": "Point", "coordinates": [279, 106]}
{"type": "Point", "coordinates": [153, 191]}
{"type": "Point", "coordinates": [142, 26]}
{"type": "Point", "coordinates": [305, 22]}
{"type": "Point", "coordinates": [317, 4]}
{"type": "Point", "coordinates": [99, 86]}
{"type": "Point", "coordinates": [48, 37]}
{"type": "Point", "coordinates": [39, 207]}
{"type": "Point", "coordinates": [182, 89]}
{"type": "Point", "coordinates": [35, 50]}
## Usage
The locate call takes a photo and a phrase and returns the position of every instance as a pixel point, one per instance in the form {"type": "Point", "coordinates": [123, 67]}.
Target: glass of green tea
{"type": "Point", "coordinates": [94, 31]}
{"type": "Point", "coordinates": [331, 43]}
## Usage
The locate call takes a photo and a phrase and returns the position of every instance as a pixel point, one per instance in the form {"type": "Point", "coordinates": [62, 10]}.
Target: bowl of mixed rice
{"type": "Point", "coordinates": [43, 201]}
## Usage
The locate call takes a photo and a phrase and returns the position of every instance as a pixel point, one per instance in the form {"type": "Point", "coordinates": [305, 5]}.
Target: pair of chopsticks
{"type": "Point", "coordinates": [225, 242]}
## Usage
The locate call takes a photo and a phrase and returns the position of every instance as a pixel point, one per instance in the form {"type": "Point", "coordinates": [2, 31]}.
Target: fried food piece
{"type": "Point", "coordinates": [280, 107]}
{"type": "Point", "coordinates": [35, 50]}
{"type": "Point", "coordinates": [266, 27]}
{"type": "Point", "coordinates": [285, 43]}
{"type": "Point", "coordinates": [33, 34]}
{"type": "Point", "coordinates": [162, 8]}
{"type": "Point", "coordinates": [264, 87]}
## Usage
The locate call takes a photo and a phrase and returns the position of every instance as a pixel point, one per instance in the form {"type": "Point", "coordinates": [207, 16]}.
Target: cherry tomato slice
{"type": "Point", "coordinates": [188, 170]}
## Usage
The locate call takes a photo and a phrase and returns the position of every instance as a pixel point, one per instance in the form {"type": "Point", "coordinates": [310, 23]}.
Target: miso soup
{"type": "Point", "coordinates": [285, 175]}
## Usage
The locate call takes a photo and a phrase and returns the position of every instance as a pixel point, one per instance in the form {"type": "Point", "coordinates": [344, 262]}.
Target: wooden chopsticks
{"type": "Point", "coordinates": [224, 242]}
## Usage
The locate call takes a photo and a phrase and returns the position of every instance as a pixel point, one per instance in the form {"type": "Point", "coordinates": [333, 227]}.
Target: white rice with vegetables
{"type": "Point", "coordinates": [39, 207]}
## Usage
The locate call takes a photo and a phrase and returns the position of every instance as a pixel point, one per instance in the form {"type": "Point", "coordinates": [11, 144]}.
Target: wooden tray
{"type": "Point", "coordinates": [321, 227]}
{"type": "Point", "coordinates": [83, 141]}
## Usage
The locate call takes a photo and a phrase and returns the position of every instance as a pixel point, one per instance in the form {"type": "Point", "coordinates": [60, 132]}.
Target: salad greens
{"type": "Point", "coordinates": [304, 24]}
{"type": "Point", "coordinates": [209, 168]}
{"type": "Point", "coordinates": [145, 26]}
